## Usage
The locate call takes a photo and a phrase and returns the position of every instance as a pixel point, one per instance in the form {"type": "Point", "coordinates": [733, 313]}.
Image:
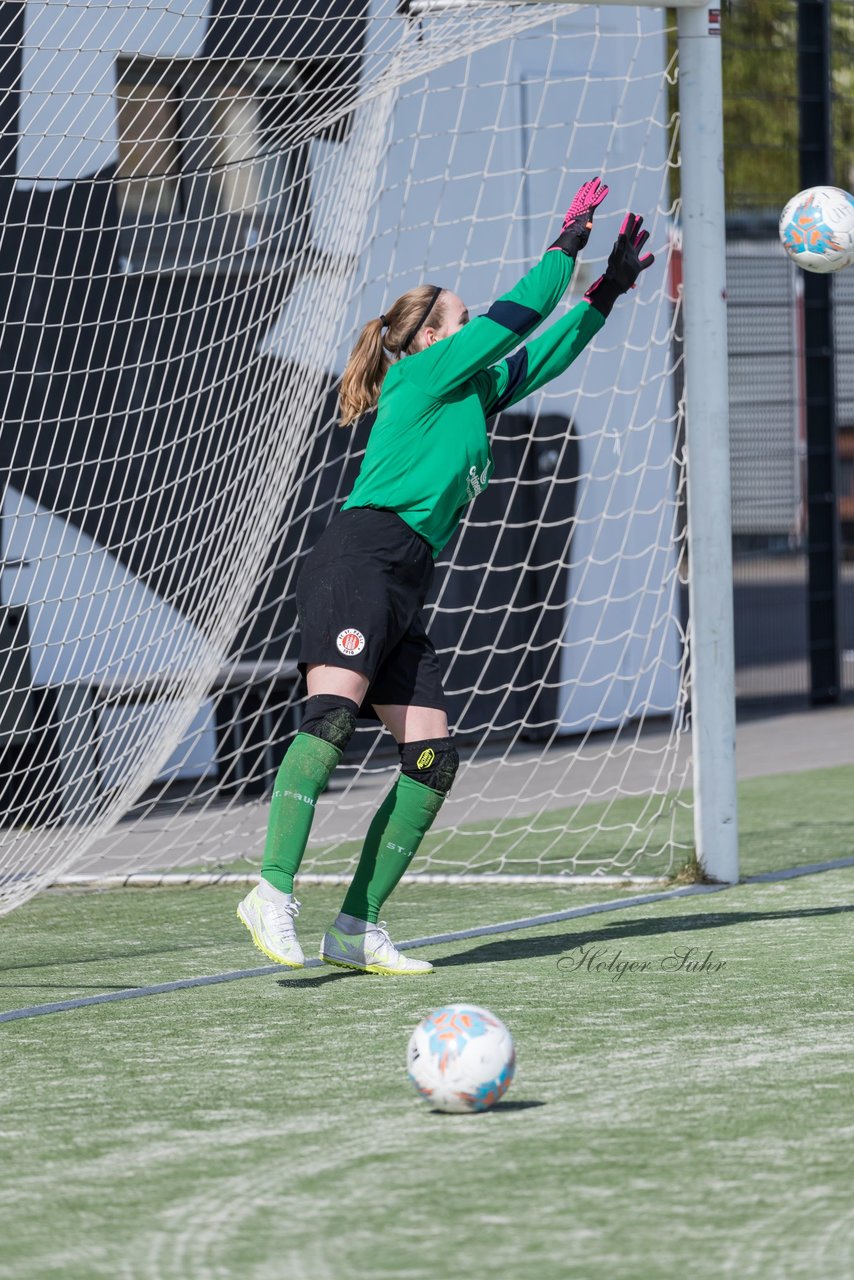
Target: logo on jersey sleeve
{"type": "Point", "coordinates": [350, 642]}
{"type": "Point", "coordinates": [476, 481]}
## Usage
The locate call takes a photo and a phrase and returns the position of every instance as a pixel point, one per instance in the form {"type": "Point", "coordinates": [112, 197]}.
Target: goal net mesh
{"type": "Point", "coordinates": [204, 203]}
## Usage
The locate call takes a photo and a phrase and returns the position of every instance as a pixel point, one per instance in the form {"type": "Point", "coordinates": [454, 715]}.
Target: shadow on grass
{"type": "Point", "coordinates": [137, 954]}
{"type": "Point", "coordinates": [523, 1104]}
{"type": "Point", "coordinates": [520, 947]}
{"type": "Point", "coordinates": [317, 978]}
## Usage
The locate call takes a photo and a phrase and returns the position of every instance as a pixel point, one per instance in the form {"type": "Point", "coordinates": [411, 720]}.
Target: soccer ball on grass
{"type": "Point", "coordinates": [461, 1058]}
{"type": "Point", "coordinates": [817, 229]}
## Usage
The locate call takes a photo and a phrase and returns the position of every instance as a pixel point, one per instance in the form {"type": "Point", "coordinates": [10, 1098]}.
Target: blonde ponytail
{"type": "Point", "coordinates": [363, 377]}
{"type": "Point", "coordinates": [373, 354]}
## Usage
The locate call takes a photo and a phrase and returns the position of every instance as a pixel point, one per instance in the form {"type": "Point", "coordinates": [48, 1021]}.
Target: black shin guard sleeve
{"type": "Point", "coordinates": [432, 762]}
{"type": "Point", "coordinates": [331, 718]}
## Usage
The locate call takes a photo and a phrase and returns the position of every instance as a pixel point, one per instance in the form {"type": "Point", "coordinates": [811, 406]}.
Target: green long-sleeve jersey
{"type": "Point", "coordinates": [428, 452]}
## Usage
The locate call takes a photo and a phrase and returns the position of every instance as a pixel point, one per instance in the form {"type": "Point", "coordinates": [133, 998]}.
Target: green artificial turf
{"type": "Point", "coordinates": [796, 818]}
{"type": "Point", "coordinates": [65, 945]}
{"type": "Point", "coordinates": [665, 1121]}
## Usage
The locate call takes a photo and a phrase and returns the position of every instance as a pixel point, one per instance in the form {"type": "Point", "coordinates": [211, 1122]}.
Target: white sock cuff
{"type": "Point", "coordinates": [270, 893]}
{"type": "Point", "coordinates": [351, 924]}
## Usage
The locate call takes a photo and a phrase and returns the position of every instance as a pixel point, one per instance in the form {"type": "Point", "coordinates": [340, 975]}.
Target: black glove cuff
{"type": "Point", "coordinates": [571, 241]}
{"type": "Point", "coordinates": [603, 294]}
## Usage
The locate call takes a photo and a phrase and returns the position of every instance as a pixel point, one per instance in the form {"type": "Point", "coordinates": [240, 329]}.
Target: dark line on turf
{"type": "Point", "coordinates": [480, 931]}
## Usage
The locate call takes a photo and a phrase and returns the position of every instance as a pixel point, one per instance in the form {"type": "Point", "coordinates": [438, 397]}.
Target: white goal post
{"type": "Point", "coordinates": [204, 205]}
{"type": "Point", "coordinates": [708, 470]}
{"type": "Point", "coordinates": [709, 507]}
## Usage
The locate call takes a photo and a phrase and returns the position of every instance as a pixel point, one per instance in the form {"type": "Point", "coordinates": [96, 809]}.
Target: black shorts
{"type": "Point", "coordinates": [360, 595]}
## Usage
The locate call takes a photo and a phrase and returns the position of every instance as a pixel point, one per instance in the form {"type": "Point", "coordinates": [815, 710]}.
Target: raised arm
{"type": "Point", "coordinates": [446, 365]}
{"type": "Point", "coordinates": [540, 361]}
{"type": "Point", "coordinates": [549, 355]}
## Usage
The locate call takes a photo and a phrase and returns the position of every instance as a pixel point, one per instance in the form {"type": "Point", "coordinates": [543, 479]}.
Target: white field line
{"type": "Point", "coordinates": [177, 879]}
{"type": "Point", "coordinates": [436, 939]}
{"type": "Point", "coordinates": [809, 869]}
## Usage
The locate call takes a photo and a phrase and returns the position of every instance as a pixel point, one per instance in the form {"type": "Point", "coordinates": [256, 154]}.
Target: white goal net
{"type": "Point", "coordinates": [205, 201]}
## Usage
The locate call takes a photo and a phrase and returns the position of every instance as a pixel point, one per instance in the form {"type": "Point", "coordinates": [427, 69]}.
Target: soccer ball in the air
{"type": "Point", "coordinates": [817, 229]}
{"type": "Point", "coordinates": [461, 1058]}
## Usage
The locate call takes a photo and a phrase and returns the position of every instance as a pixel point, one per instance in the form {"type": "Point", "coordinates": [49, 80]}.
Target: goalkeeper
{"type": "Point", "coordinates": [435, 378]}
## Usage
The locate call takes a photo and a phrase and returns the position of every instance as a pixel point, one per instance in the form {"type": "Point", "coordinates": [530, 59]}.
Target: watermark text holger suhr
{"type": "Point", "coordinates": [613, 964]}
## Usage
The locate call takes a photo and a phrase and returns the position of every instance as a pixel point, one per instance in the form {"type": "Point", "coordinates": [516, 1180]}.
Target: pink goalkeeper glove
{"type": "Point", "coordinates": [579, 218]}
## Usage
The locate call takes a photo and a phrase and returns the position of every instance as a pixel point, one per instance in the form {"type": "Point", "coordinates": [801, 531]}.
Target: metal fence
{"type": "Point", "coordinates": [767, 340]}
{"type": "Point", "coordinates": [767, 440]}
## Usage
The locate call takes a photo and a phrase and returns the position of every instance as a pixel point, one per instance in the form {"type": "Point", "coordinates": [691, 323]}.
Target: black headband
{"type": "Point", "coordinates": [437, 289]}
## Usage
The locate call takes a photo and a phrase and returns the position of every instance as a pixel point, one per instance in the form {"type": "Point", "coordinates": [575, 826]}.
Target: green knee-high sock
{"type": "Point", "coordinates": [399, 825]}
{"type": "Point", "coordinates": [302, 777]}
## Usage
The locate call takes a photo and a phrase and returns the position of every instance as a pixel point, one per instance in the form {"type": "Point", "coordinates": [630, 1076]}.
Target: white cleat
{"type": "Point", "coordinates": [270, 920]}
{"type": "Point", "coordinates": [369, 949]}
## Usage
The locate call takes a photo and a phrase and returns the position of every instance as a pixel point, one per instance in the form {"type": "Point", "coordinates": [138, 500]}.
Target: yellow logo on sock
{"type": "Point", "coordinates": [426, 758]}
